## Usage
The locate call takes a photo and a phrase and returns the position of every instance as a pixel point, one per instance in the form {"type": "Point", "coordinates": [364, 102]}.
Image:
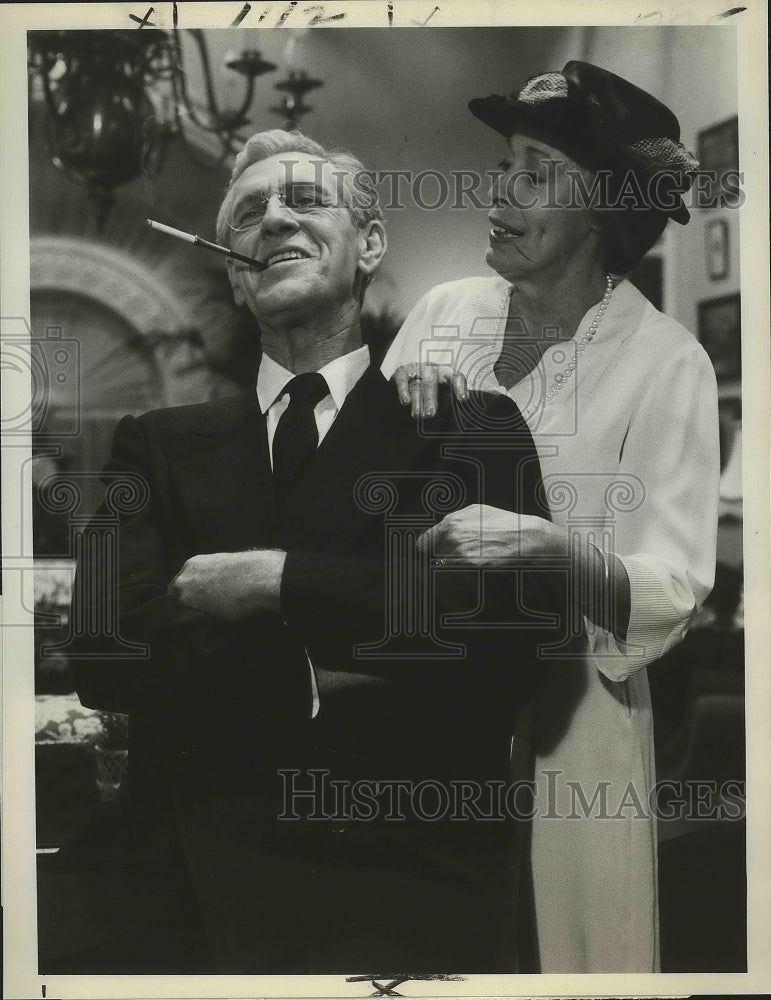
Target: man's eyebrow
{"type": "Point", "coordinates": [283, 186]}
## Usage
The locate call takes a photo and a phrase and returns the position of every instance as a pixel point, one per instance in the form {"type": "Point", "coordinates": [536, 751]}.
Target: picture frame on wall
{"type": "Point", "coordinates": [716, 249]}
{"type": "Point", "coordinates": [718, 152]}
{"type": "Point", "coordinates": [719, 324]}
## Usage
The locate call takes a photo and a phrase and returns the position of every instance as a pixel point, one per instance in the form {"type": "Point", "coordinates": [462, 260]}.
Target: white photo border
{"type": "Point", "coordinates": [749, 20]}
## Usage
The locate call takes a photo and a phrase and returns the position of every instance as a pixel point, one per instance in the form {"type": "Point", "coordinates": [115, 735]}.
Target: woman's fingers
{"type": "Point", "coordinates": [416, 395]}
{"type": "Point", "coordinates": [429, 541]}
{"type": "Point", "coordinates": [409, 386]}
{"type": "Point", "coordinates": [417, 386]}
{"type": "Point", "coordinates": [422, 382]}
{"type": "Point", "coordinates": [459, 386]}
{"type": "Point", "coordinates": [481, 535]}
{"type": "Point", "coordinates": [429, 391]}
{"type": "Point", "coordinates": [402, 380]}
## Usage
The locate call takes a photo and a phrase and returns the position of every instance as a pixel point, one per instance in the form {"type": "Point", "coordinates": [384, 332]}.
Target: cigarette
{"type": "Point", "coordinates": [200, 242]}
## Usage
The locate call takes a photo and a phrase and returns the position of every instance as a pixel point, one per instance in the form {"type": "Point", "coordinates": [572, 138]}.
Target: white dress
{"type": "Point", "coordinates": [630, 459]}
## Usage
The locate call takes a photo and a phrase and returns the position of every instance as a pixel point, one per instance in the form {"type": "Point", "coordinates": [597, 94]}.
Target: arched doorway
{"type": "Point", "coordinates": [130, 345]}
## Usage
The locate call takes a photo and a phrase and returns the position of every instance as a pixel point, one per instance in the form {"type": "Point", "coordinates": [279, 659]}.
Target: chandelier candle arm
{"type": "Point", "coordinates": [206, 244]}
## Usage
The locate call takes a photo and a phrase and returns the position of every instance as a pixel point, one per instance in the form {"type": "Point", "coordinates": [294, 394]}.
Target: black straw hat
{"type": "Point", "coordinates": [603, 122]}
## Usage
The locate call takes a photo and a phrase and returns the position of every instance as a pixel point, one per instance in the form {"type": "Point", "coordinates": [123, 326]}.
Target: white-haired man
{"type": "Point", "coordinates": [308, 713]}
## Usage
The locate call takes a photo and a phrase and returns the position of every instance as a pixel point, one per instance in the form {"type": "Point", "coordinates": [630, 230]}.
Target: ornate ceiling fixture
{"type": "Point", "coordinates": [294, 88]}
{"type": "Point", "coordinates": [114, 99]}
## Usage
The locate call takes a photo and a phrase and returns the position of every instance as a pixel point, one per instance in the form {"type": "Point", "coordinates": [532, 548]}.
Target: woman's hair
{"type": "Point", "coordinates": [627, 236]}
{"type": "Point", "coordinates": [360, 199]}
{"type": "Point", "coordinates": [627, 232]}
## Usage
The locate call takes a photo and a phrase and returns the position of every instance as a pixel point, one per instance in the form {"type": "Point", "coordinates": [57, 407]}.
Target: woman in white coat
{"type": "Point", "coordinates": [622, 404]}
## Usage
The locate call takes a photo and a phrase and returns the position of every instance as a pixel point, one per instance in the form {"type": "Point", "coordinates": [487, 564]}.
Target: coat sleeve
{"type": "Point", "coordinates": [667, 542]}
{"type": "Point", "coordinates": [134, 630]}
{"type": "Point", "coordinates": [505, 619]}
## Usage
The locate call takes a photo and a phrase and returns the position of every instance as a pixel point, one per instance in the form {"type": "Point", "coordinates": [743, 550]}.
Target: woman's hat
{"type": "Point", "coordinates": [602, 122]}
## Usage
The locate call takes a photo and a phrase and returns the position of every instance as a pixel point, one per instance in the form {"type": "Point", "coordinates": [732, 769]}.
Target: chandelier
{"type": "Point", "coordinates": [114, 100]}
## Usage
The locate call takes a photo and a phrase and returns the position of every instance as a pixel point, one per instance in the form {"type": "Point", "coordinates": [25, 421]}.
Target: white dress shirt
{"type": "Point", "coordinates": [341, 376]}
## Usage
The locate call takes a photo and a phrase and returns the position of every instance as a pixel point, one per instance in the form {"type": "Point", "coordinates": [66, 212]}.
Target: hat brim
{"type": "Point", "coordinates": [555, 119]}
{"type": "Point", "coordinates": [502, 113]}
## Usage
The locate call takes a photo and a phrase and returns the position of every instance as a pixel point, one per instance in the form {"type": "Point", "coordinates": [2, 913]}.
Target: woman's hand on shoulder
{"type": "Point", "coordinates": [418, 386]}
{"type": "Point", "coordinates": [480, 535]}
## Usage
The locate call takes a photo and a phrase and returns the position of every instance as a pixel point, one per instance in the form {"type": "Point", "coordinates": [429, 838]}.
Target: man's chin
{"type": "Point", "coordinates": [280, 294]}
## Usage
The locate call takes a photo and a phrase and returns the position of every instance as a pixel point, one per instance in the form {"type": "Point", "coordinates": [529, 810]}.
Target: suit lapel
{"type": "Point", "coordinates": [371, 436]}
{"type": "Point", "coordinates": [221, 468]}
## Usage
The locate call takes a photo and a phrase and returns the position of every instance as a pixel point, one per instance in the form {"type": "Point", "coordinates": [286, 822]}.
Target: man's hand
{"type": "Point", "coordinates": [480, 535]}
{"type": "Point", "coordinates": [418, 385]}
{"type": "Point", "coordinates": [231, 585]}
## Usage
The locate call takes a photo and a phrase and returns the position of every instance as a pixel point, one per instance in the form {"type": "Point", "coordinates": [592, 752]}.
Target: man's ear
{"type": "Point", "coordinates": [238, 295]}
{"type": "Point", "coordinates": [373, 244]}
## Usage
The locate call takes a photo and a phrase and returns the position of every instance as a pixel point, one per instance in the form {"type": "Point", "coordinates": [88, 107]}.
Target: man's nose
{"type": "Point", "coordinates": [278, 218]}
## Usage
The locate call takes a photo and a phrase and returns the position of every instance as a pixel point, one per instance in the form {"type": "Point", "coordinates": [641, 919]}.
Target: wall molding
{"type": "Point", "coordinates": [110, 277]}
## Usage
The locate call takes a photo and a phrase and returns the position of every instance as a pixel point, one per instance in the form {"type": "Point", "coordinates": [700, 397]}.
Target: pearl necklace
{"type": "Point", "coordinates": [563, 377]}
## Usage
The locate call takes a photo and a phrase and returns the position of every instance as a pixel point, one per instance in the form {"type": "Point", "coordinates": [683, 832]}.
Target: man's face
{"type": "Point", "coordinates": [541, 233]}
{"type": "Point", "coordinates": [311, 245]}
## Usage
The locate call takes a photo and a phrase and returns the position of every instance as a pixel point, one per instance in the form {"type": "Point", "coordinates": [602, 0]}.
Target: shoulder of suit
{"type": "Point", "coordinates": [481, 412]}
{"type": "Point", "coordinates": [195, 414]}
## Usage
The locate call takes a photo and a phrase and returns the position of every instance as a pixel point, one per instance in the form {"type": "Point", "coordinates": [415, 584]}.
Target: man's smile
{"type": "Point", "coordinates": [282, 256]}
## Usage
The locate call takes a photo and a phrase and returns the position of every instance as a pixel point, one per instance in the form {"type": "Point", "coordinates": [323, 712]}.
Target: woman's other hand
{"type": "Point", "coordinates": [480, 535]}
{"type": "Point", "coordinates": [418, 386]}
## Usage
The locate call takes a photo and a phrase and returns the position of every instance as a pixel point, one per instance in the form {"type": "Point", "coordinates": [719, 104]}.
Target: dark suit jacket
{"type": "Point", "coordinates": [219, 712]}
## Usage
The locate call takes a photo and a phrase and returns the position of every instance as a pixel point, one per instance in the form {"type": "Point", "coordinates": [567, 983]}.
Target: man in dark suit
{"type": "Point", "coordinates": [325, 715]}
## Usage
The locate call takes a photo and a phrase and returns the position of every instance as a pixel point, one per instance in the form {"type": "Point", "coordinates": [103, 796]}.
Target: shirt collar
{"type": "Point", "coordinates": [341, 375]}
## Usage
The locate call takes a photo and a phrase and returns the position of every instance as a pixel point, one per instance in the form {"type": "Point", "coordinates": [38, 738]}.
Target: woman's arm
{"type": "Point", "coordinates": [642, 594]}
{"type": "Point", "coordinates": [599, 584]}
{"type": "Point", "coordinates": [667, 543]}
{"type": "Point", "coordinates": [485, 536]}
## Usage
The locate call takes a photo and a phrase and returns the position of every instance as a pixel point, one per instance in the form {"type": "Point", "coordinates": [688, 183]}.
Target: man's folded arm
{"type": "Point", "coordinates": [129, 591]}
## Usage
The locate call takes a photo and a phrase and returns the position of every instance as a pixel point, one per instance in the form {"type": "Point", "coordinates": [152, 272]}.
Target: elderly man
{"type": "Point", "coordinates": [318, 694]}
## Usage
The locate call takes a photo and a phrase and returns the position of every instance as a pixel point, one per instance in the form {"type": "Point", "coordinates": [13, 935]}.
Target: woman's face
{"type": "Point", "coordinates": [539, 226]}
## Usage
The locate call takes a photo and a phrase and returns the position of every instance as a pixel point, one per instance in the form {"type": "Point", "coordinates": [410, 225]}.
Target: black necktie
{"type": "Point", "coordinates": [297, 436]}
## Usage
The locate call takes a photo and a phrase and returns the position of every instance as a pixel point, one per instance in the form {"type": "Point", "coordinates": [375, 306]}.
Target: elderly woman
{"type": "Point", "coordinates": [622, 403]}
